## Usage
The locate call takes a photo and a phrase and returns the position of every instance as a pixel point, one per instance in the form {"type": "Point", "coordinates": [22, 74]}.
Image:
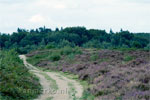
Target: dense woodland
{"type": "Point", "coordinates": [26, 40]}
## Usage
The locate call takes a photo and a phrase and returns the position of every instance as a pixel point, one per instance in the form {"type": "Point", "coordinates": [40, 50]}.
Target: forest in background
{"type": "Point", "coordinates": [26, 40]}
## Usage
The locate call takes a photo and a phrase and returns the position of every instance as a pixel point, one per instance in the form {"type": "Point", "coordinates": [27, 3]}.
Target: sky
{"type": "Point", "coordinates": [132, 15]}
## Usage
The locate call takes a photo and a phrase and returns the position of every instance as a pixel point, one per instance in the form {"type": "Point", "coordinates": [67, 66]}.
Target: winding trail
{"type": "Point", "coordinates": [62, 92]}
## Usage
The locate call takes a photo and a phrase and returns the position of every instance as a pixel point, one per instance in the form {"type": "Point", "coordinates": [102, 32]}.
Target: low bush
{"type": "Point", "coordinates": [50, 46]}
{"type": "Point", "coordinates": [94, 57]}
{"type": "Point", "coordinates": [69, 50]}
{"type": "Point", "coordinates": [66, 50]}
{"type": "Point", "coordinates": [147, 47]}
{"type": "Point", "coordinates": [128, 58]}
{"type": "Point", "coordinates": [77, 50]}
{"type": "Point", "coordinates": [55, 57]}
{"type": "Point", "coordinates": [16, 83]}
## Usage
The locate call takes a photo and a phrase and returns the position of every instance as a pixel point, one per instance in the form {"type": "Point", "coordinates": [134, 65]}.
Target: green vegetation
{"type": "Point", "coordinates": [143, 87]}
{"type": "Point", "coordinates": [35, 59]}
{"type": "Point", "coordinates": [87, 96]}
{"type": "Point", "coordinates": [50, 98]}
{"type": "Point", "coordinates": [94, 57]}
{"type": "Point", "coordinates": [70, 58]}
{"type": "Point", "coordinates": [125, 49]}
{"type": "Point", "coordinates": [16, 83]}
{"type": "Point", "coordinates": [72, 91]}
{"type": "Point", "coordinates": [128, 58]}
{"type": "Point", "coordinates": [67, 50]}
{"type": "Point", "coordinates": [55, 55]}
{"type": "Point", "coordinates": [24, 41]}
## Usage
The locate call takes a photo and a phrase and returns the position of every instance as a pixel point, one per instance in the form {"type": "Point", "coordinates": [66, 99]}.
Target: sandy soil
{"type": "Point", "coordinates": [62, 82]}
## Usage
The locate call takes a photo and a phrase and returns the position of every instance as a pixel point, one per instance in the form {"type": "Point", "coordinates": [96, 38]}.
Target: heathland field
{"type": "Point", "coordinates": [74, 63]}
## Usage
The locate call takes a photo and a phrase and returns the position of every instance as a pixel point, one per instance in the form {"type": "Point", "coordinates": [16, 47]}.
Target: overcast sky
{"type": "Point", "coordinates": [132, 15]}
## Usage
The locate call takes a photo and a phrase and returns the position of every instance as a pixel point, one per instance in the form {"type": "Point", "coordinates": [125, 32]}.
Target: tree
{"type": "Point", "coordinates": [42, 42]}
{"type": "Point", "coordinates": [136, 44]}
{"type": "Point", "coordinates": [121, 30]}
{"type": "Point", "coordinates": [73, 36]}
{"type": "Point", "coordinates": [111, 31]}
{"type": "Point", "coordinates": [57, 29]}
{"type": "Point", "coordinates": [65, 43]}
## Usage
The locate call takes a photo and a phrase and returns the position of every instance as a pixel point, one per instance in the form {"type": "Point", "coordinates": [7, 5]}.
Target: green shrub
{"type": "Point", "coordinates": [77, 50]}
{"type": "Point", "coordinates": [87, 96]}
{"type": "Point", "coordinates": [15, 80]}
{"type": "Point", "coordinates": [70, 57]}
{"type": "Point", "coordinates": [94, 57]}
{"type": "Point", "coordinates": [66, 50]}
{"type": "Point", "coordinates": [55, 57]}
{"type": "Point", "coordinates": [50, 46]}
{"type": "Point", "coordinates": [136, 44]}
{"type": "Point", "coordinates": [92, 44]}
{"type": "Point", "coordinates": [128, 58]}
{"type": "Point", "coordinates": [143, 87]}
{"type": "Point", "coordinates": [124, 49]}
{"type": "Point", "coordinates": [147, 47]}
{"type": "Point", "coordinates": [63, 43]}
{"type": "Point", "coordinates": [69, 50]}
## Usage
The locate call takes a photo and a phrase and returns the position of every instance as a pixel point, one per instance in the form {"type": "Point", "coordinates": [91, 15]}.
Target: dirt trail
{"type": "Point", "coordinates": [62, 93]}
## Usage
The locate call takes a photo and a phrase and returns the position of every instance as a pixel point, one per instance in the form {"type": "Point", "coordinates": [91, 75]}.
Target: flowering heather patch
{"type": "Point", "coordinates": [112, 75]}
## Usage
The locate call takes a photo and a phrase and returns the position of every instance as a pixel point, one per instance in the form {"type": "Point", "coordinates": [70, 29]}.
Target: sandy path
{"type": "Point", "coordinates": [45, 84]}
{"type": "Point", "coordinates": [62, 82]}
{"type": "Point", "coordinates": [62, 92]}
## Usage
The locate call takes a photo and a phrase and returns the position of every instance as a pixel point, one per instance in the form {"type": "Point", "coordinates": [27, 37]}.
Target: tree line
{"type": "Point", "coordinates": [25, 40]}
